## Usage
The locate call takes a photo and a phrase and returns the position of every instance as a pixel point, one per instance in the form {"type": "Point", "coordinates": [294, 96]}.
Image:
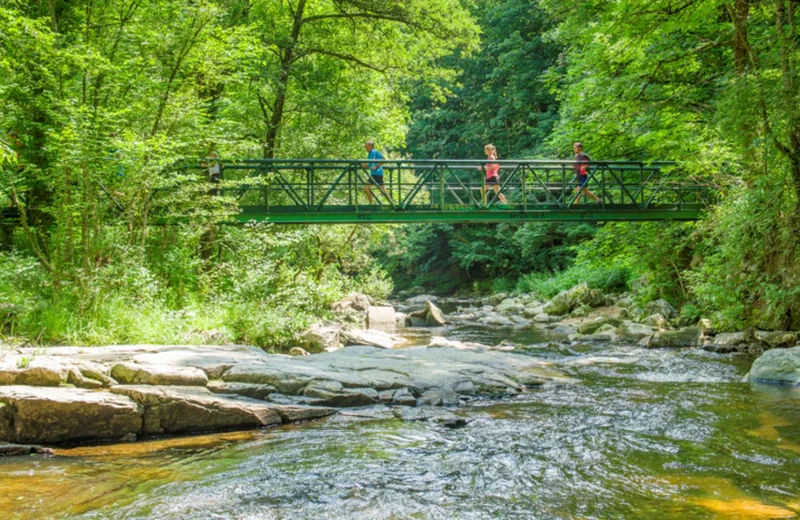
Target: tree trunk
{"type": "Point", "coordinates": [740, 44]}
{"type": "Point", "coordinates": [287, 58]}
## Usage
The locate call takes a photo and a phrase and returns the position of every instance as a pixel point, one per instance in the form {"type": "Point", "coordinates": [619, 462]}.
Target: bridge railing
{"type": "Point", "coordinates": [329, 185]}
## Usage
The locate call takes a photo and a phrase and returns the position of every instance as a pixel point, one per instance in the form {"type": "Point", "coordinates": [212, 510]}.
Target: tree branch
{"type": "Point", "coordinates": [343, 57]}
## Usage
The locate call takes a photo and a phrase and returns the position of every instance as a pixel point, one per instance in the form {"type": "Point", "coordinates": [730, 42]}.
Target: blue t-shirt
{"type": "Point", "coordinates": [376, 155]}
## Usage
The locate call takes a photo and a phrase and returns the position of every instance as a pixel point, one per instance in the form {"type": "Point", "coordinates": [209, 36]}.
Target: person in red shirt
{"type": "Point", "coordinates": [582, 171]}
{"type": "Point", "coordinates": [493, 172]}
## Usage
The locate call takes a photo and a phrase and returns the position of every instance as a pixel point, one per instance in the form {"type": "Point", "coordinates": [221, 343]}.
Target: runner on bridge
{"type": "Point", "coordinates": [582, 172]}
{"type": "Point", "coordinates": [493, 173]}
{"type": "Point", "coordinates": [375, 170]}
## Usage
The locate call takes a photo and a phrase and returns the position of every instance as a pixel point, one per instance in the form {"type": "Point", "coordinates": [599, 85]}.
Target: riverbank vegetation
{"type": "Point", "coordinates": [99, 99]}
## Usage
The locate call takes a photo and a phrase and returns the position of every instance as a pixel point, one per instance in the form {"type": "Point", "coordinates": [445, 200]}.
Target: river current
{"type": "Point", "coordinates": [641, 434]}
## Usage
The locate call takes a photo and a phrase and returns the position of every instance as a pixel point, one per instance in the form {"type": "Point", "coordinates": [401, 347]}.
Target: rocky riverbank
{"type": "Point", "coordinates": [70, 394]}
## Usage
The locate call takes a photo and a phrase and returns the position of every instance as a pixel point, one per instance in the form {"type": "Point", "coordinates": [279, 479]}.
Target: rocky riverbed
{"type": "Point", "coordinates": [63, 395]}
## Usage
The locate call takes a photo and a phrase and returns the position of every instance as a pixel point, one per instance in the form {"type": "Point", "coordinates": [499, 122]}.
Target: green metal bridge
{"type": "Point", "coordinates": [447, 191]}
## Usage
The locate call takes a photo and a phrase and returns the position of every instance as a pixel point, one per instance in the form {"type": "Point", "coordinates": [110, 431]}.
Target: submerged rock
{"type": "Point", "coordinates": [778, 366]}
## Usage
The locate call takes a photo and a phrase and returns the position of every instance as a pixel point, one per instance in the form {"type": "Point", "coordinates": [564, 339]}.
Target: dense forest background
{"type": "Point", "coordinates": [98, 98]}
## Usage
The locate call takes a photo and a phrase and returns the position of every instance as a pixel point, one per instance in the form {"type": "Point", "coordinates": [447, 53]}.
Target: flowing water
{"type": "Point", "coordinates": [643, 434]}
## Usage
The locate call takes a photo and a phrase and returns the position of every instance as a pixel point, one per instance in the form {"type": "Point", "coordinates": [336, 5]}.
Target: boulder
{"type": "Point", "coordinates": [136, 374]}
{"type": "Point", "coordinates": [175, 409]}
{"type": "Point", "coordinates": [778, 366]}
{"type": "Point", "coordinates": [430, 316]}
{"type": "Point", "coordinates": [498, 298]}
{"type": "Point", "coordinates": [510, 306]}
{"type": "Point", "coordinates": [543, 317]}
{"type": "Point", "coordinates": [661, 307]}
{"type": "Point", "coordinates": [298, 351]}
{"type": "Point", "coordinates": [630, 331]}
{"type": "Point", "coordinates": [354, 302]}
{"type": "Point", "coordinates": [319, 337]}
{"type": "Point", "coordinates": [32, 370]}
{"type": "Point", "coordinates": [706, 327]}
{"type": "Point", "coordinates": [606, 332]}
{"type": "Point", "coordinates": [725, 342]}
{"type": "Point", "coordinates": [558, 306]}
{"type": "Point", "coordinates": [533, 310]}
{"type": "Point", "coordinates": [589, 327]}
{"type": "Point", "coordinates": [685, 337]}
{"type": "Point", "coordinates": [656, 320]}
{"type": "Point", "coordinates": [57, 415]}
{"type": "Point", "coordinates": [375, 338]}
{"type": "Point", "coordinates": [380, 316]}
{"type": "Point", "coordinates": [777, 339]}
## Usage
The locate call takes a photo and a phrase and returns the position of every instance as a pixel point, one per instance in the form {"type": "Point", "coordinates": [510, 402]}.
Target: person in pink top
{"type": "Point", "coordinates": [493, 172]}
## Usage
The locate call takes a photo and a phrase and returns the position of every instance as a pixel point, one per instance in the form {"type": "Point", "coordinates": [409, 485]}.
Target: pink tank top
{"type": "Point", "coordinates": [492, 170]}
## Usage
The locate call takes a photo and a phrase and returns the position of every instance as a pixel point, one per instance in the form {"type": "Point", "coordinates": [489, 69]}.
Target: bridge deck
{"type": "Point", "coordinates": [447, 191]}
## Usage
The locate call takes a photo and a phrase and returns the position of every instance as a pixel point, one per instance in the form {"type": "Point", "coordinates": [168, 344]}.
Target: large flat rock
{"type": "Point", "coordinates": [173, 409]}
{"type": "Point", "coordinates": [56, 415]}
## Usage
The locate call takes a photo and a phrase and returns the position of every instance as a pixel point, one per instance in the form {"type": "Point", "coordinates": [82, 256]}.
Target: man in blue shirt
{"type": "Point", "coordinates": [375, 170]}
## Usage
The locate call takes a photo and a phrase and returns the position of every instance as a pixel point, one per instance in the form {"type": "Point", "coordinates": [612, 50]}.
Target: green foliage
{"type": "Point", "coordinates": [546, 285]}
{"type": "Point", "coordinates": [444, 257]}
{"type": "Point", "coordinates": [499, 96]}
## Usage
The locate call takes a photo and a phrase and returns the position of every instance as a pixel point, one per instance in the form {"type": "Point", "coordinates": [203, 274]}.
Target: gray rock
{"type": "Point", "coordinates": [725, 342]}
{"type": "Point", "coordinates": [685, 337]}
{"type": "Point", "coordinates": [778, 366]}
{"type": "Point", "coordinates": [32, 370]}
{"type": "Point", "coordinates": [558, 306]}
{"type": "Point", "coordinates": [253, 391]}
{"type": "Point", "coordinates": [777, 339]}
{"type": "Point", "coordinates": [496, 299]}
{"type": "Point", "coordinates": [656, 320]}
{"type": "Point", "coordinates": [404, 397]}
{"type": "Point", "coordinates": [57, 415]}
{"type": "Point", "coordinates": [589, 327]}
{"type": "Point", "coordinates": [496, 319]}
{"type": "Point", "coordinates": [136, 374]}
{"type": "Point", "coordinates": [298, 351]}
{"type": "Point", "coordinates": [543, 318]}
{"type": "Point", "coordinates": [430, 316]}
{"type": "Point", "coordinates": [175, 409]}
{"type": "Point", "coordinates": [382, 316]}
{"type": "Point", "coordinates": [422, 298]}
{"type": "Point", "coordinates": [319, 337]}
{"type": "Point", "coordinates": [662, 307]}
{"type": "Point", "coordinates": [533, 310]}
{"type": "Point", "coordinates": [15, 450]}
{"type": "Point", "coordinates": [630, 331]}
{"type": "Point", "coordinates": [354, 302]}
{"type": "Point", "coordinates": [375, 338]}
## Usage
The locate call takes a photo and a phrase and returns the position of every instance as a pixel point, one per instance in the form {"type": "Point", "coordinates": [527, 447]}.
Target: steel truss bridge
{"type": "Point", "coordinates": [445, 191]}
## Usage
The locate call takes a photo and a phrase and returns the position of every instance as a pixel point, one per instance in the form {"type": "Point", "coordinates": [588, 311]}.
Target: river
{"type": "Point", "coordinates": [643, 434]}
